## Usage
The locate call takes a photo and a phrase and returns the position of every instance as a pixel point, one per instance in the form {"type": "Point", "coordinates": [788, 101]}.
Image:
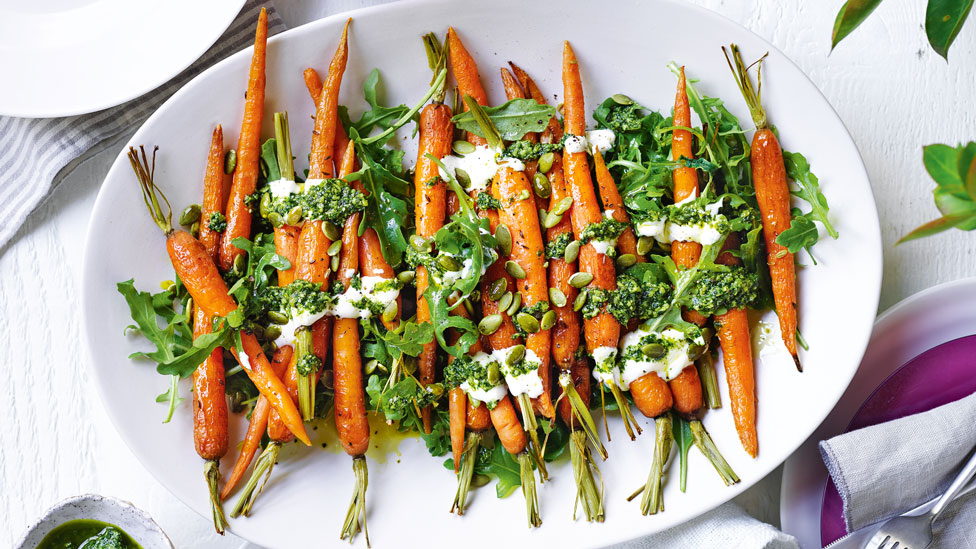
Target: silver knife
{"type": "Point", "coordinates": [859, 537]}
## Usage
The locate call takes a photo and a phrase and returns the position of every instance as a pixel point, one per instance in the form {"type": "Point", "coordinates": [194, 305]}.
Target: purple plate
{"type": "Point", "coordinates": [938, 376]}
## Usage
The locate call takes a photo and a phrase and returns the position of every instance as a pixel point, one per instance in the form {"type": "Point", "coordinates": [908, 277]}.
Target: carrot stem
{"type": "Point", "coordinates": [306, 380]}
{"type": "Point", "coordinates": [653, 500]}
{"type": "Point", "coordinates": [581, 413]}
{"type": "Point", "coordinates": [531, 427]}
{"type": "Point", "coordinates": [470, 457]}
{"type": "Point", "coordinates": [286, 164]}
{"type": "Point", "coordinates": [211, 471]}
{"type": "Point", "coordinates": [704, 443]}
{"type": "Point", "coordinates": [586, 489]}
{"type": "Point", "coordinates": [356, 515]}
{"type": "Point", "coordinates": [630, 423]}
{"type": "Point", "coordinates": [251, 490]}
{"type": "Point", "coordinates": [709, 379]}
{"type": "Point", "coordinates": [528, 490]}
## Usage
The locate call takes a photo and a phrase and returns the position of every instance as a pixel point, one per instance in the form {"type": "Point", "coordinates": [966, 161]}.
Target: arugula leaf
{"type": "Point", "coordinates": [513, 119]}
{"type": "Point", "coordinates": [850, 16]}
{"type": "Point", "coordinates": [683, 439]}
{"type": "Point", "coordinates": [943, 21]}
{"type": "Point", "coordinates": [143, 313]}
{"type": "Point", "coordinates": [377, 116]}
{"type": "Point", "coordinates": [185, 364]}
{"type": "Point", "coordinates": [504, 467]}
{"type": "Point", "coordinates": [803, 232]}
{"type": "Point", "coordinates": [954, 172]}
{"type": "Point", "coordinates": [269, 160]}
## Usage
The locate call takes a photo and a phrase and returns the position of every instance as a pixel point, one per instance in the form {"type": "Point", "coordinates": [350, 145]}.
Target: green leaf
{"type": "Point", "coordinates": [506, 469]}
{"type": "Point", "coordinates": [802, 234]}
{"type": "Point", "coordinates": [942, 163]}
{"type": "Point", "coordinates": [851, 14]}
{"type": "Point", "coordinates": [513, 119]}
{"type": "Point", "coordinates": [389, 214]}
{"type": "Point", "coordinates": [269, 160]}
{"type": "Point", "coordinates": [943, 20]}
{"type": "Point", "coordinates": [938, 225]}
{"type": "Point", "coordinates": [184, 364]}
{"type": "Point", "coordinates": [967, 168]}
{"type": "Point", "coordinates": [144, 315]}
{"type": "Point", "coordinates": [798, 169]}
{"type": "Point", "coordinates": [556, 440]}
{"type": "Point", "coordinates": [681, 430]}
{"type": "Point", "coordinates": [377, 116]}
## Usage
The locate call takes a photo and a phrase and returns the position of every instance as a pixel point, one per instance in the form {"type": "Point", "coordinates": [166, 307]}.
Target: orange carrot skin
{"type": "Point", "coordinates": [510, 432]}
{"type": "Point", "coordinates": [466, 73]}
{"type": "Point", "coordinates": [436, 133]}
{"type": "Point", "coordinates": [614, 203]}
{"type": "Point", "coordinates": [286, 245]}
{"type": "Point", "coordinates": [687, 391]}
{"type": "Point", "coordinates": [773, 195]}
{"type": "Point", "coordinates": [603, 329]}
{"type": "Point", "coordinates": [478, 418]}
{"type": "Point", "coordinates": [255, 429]}
{"type": "Point", "coordinates": [277, 431]}
{"type": "Point", "coordinates": [213, 191]}
{"type": "Point", "coordinates": [529, 252]}
{"type": "Point", "coordinates": [350, 400]}
{"type": "Point", "coordinates": [321, 160]}
{"type": "Point", "coordinates": [209, 403]}
{"type": "Point", "coordinates": [199, 273]}
{"type": "Point", "coordinates": [248, 151]}
{"type": "Point", "coordinates": [580, 371]}
{"type": "Point", "coordinates": [457, 403]}
{"type": "Point", "coordinates": [651, 395]}
{"type": "Point", "coordinates": [565, 335]}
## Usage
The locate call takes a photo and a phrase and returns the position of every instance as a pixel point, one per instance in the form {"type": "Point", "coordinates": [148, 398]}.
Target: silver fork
{"type": "Point", "coordinates": [915, 532]}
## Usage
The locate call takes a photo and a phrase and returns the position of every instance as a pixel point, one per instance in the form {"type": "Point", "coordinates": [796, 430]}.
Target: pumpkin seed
{"type": "Point", "coordinates": [622, 99]}
{"type": "Point", "coordinates": [406, 277]}
{"type": "Point", "coordinates": [330, 231]}
{"type": "Point", "coordinates": [528, 322]}
{"type": "Point", "coordinates": [516, 304]}
{"type": "Point", "coordinates": [294, 216]}
{"type": "Point", "coordinates": [418, 242]}
{"type": "Point", "coordinates": [497, 288]}
{"type": "Point", "coordinates": [448, 263]}
{"type": "Point", "coordinates": [504, 237]}
{"type": "Point", "coordinates": [277, 318]}
{"type": "Point", "coordinates": [334, 263]}
{"type": "Point", "coordinates": [540, 184]}
{"type": "Point", "coordinates": [490, 324]}
{"type": "Point", "coordinates": [264, 206]}
{"type": "Point", "coordinates": [626, 260]}
{"type": "Point", "coordinates": [552, 219]}
{"type": "Point", "coordinates": [548, 320]}
{"type": "Point", "coordinates": [506, 300]}
{"type": "Point", "coordinates": [370, 366]}
{"type": "Point", "coordinates": [240, 264]}
{"type": "Point", "coordinates": [462, 177]}
{"type": "Point", "coordinates": [545, 162]}
{"type": "Point", "coordinates": [494, 373]}
{"type": "Point", "coordinates": [276, 219]}
{"type": "Point", "coordinates": [563, 205]}
{"type": "Point", "coordinates": [644, 244]}
{"type": "Point", "coordinates": [390, 312]}
{"type": "Point", "coordinates": [557, 297]}
{"type": "Point", "coordinates": [572, 251]}
{"type": "Point", "coordinates": [436, 389]}
{"type": "Point", "coordinates": [272, 332]}
{"type": "Point", "coordinates": [515, 355]}
{"type": "Point", "coordinates": [190, 214]}
{"type": "Point", "coordinates": [653, 350]}
{"type": "Point", "coordinates": [334, 248]}
{"type": "Point", "coordinates": [195, 229]}
{"type": "Point", "coordinates": [514, 269]}
{"type": "Point", "coordinates": [409, 364]}
{"type": "Point", "coordinates": [468, 306]}
{"type": "Point", "coordinates": [579, 280]}
{"type": "Point", "coordinates": [580, 300]}
{"type": "Point", "coordinates": [479, 480]}
{"type": "Point", "coordinates": [230, 161]}
{"type": "Point", "coordinates": [463, 147]}
{"type": "Point", "coordinates": [542, 216]}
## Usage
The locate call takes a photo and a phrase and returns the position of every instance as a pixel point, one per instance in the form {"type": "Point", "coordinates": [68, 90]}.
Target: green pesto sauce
{"type": "Point", "coordinates": [217, 222]}
{"type": "Point", "coordinates": [693, 214]}
{"type": "Point", "coordinates": [604, 230]}
{"type": "Point", "coordinates": [716, 292]}
{"type": "Point", "coordinates": [631, 299]}
{"type": "Point", "coordinates": [487, 202]}
{"type": "Point", "coordinates": [520, 368]}
{"type": "Point", "coordinates": [636, 353]}
{"type": "Point", "coordinates": [526, 150]}
{"type": "Point", "coordinates": [465, 369]}
{"type": "Point", "coordinates": [536, 310]}
{"type": "Point", "coordinates": [307, 364]}
{"type": "Point", "coordinates": [300, 295]}
{"type": "Point", "coordinates": [556, 248]}
{"type": "Point", "coordinates": [87, 534]}
{"type": "Point", "coordinates": [624, 118]}
{"type": "Point", "coordinates": [333, 200]}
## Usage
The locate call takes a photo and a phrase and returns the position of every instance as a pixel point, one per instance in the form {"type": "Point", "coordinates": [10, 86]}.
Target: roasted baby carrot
{"type": "Point", "coordinates": [248, 152]}
{"type": "Point", "coordinates": [613, 204]}
{"type": "Point", "coordinates": [465, 71]}
{"type": "Point", "coordinates": [213, 190]}
{"type": "Point", "coordinates": [773, 195]}
{"type": "Point", "coordinates": [207, 288]}
{"type": "Point", "coordinates": [210, 415]}
{"type": "Point", "coordinates": [457, 403]}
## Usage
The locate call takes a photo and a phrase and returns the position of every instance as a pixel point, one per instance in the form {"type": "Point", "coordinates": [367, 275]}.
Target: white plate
{"type": "Point", "coordinates": [914, 325]}
{"type": "Point", "coordinates": [413, 493]}
{"type": "Point", "coordinates": [67, 57]}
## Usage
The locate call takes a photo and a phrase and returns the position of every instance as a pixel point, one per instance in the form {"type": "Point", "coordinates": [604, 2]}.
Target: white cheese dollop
{"type": "Point", "coordinates": [298, 319]}
{"type": "Point", "coordinates": [529, 382]}
{"type": "Point", "coordinates": [574, 144]}
{"type": "Point", "coordinates": [668, 366]}
{"type": "Point", "coordinates": [605, 369]}
{"type": "Point", "coordinates": [599, 140]}
{"type": "Point", "coordinates": [480, 166]}
{"type": "Point", "coordinates": [488, 396]}
{"type": "Point", "coordinates": [283, 188]}
{"type": "Point", "coordinates": [345, 307]}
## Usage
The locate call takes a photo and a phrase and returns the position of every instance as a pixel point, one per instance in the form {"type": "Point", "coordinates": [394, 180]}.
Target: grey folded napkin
{"type": "Point", "coordinates": [727, 526]}
{"type": "Point", "coordinates": [886, 469]}
{"type": "Point", "coordinates": [34, 152]}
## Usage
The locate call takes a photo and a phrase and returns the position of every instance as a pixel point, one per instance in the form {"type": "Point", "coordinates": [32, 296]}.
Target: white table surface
{"type": "Point", "coordinates": [894, 93]}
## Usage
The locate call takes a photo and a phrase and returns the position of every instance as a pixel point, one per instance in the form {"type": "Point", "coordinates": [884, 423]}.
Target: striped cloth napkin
{"type": "Point", "coordinates": [36, 153]}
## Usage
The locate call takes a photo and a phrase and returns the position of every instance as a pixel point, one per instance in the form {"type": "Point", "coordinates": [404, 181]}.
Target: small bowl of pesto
{"type": "Point", "coordinates": [94, 522]}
